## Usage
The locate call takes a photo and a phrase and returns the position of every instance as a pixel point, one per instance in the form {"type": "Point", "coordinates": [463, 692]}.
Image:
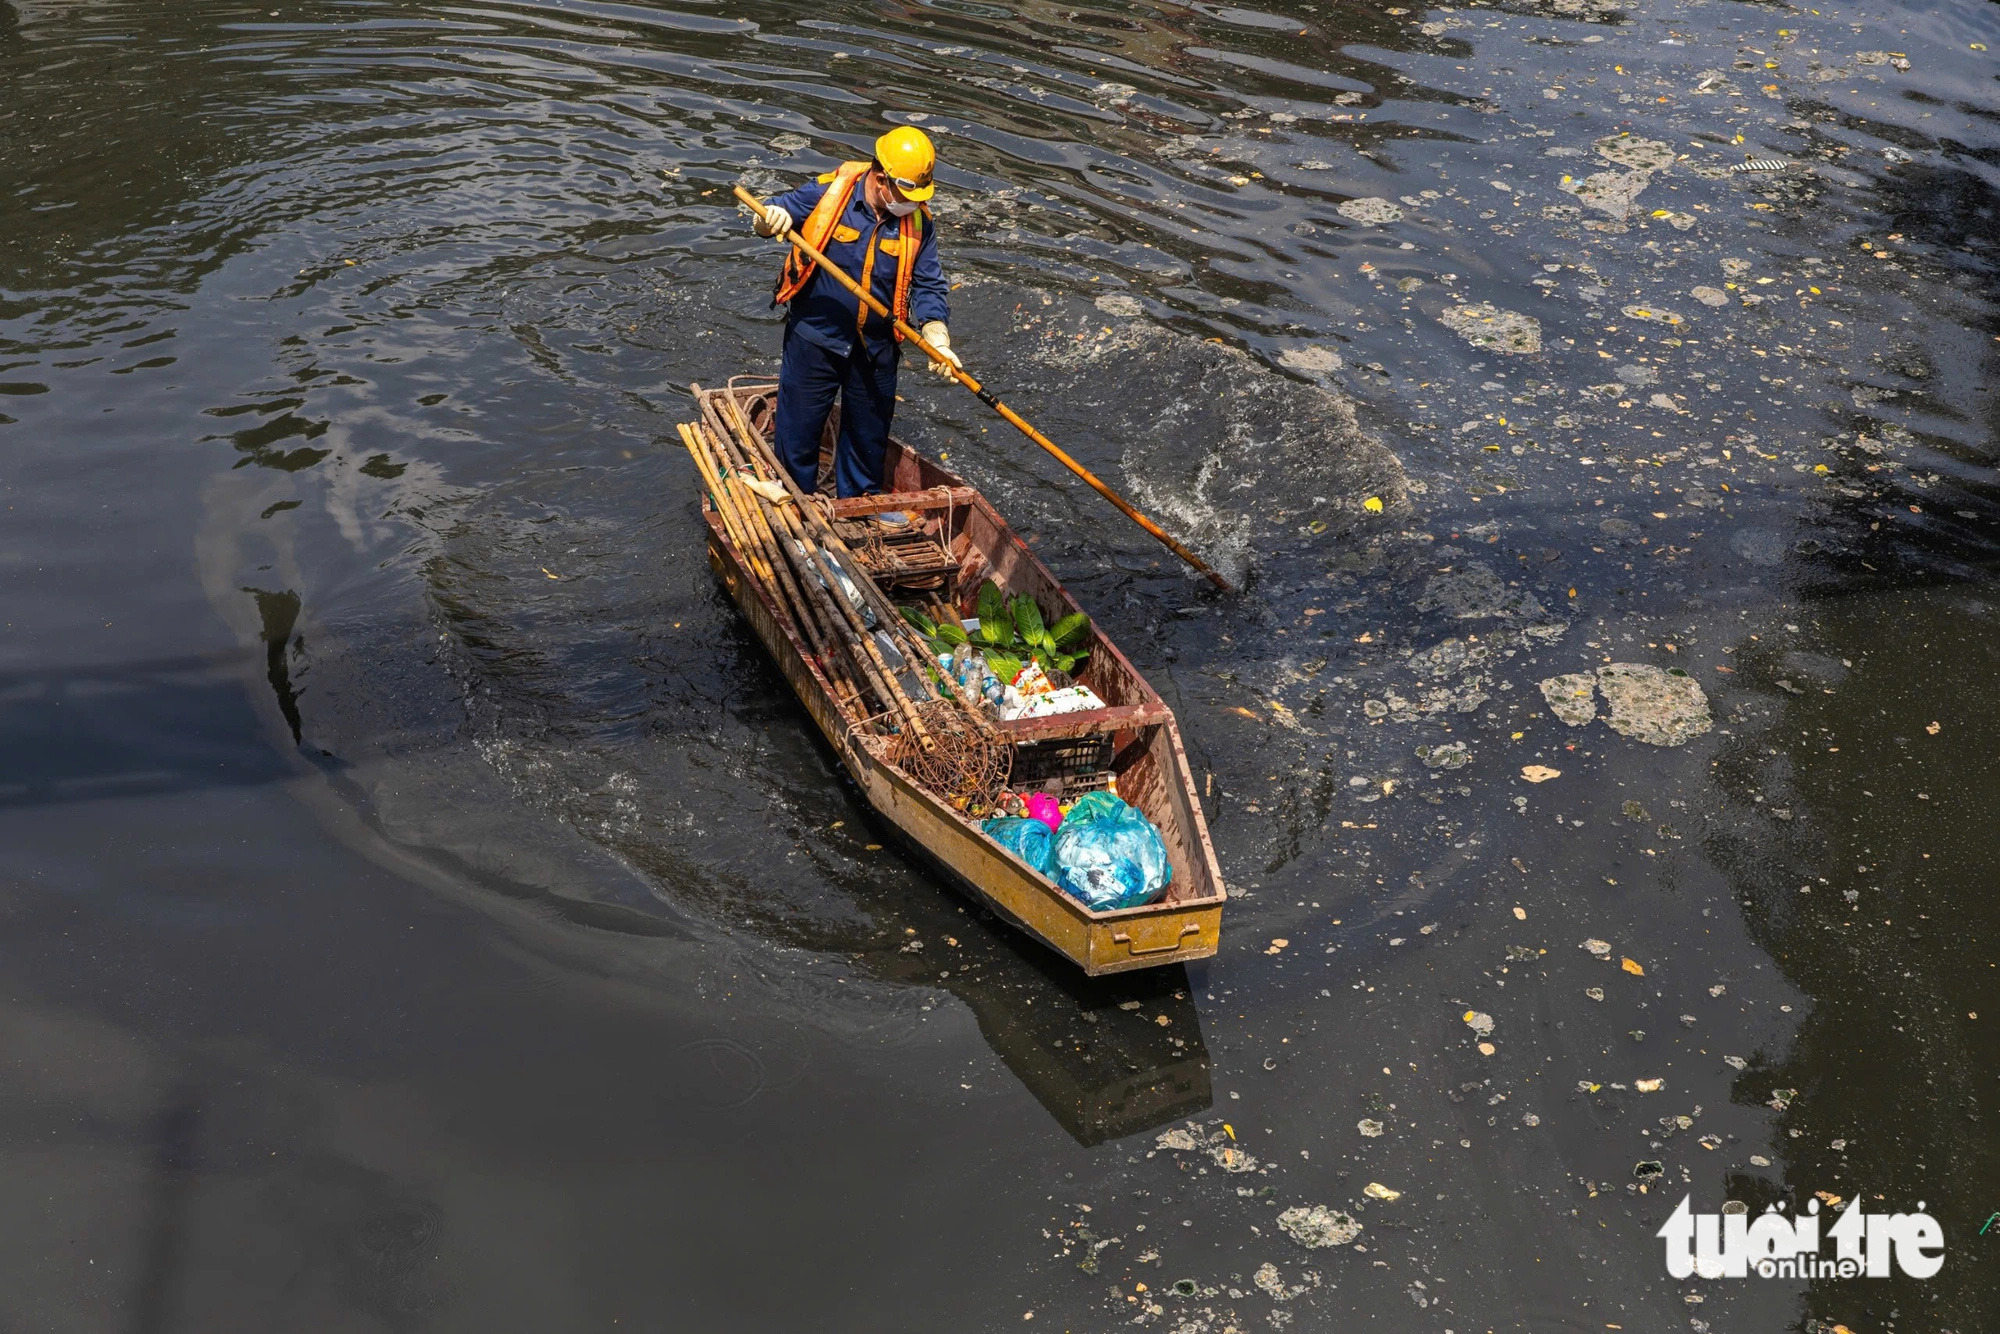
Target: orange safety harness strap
{"type": "Point", "coordinates": [818, 228]}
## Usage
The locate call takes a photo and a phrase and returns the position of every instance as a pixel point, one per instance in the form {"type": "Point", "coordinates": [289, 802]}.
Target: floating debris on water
{"type": "Point", "coordinates": [1121, 304]}
{"type": "Point", "coordinates": [1761, 164]}
{"type": "Point", "coordinates": [1370, 1129]}
{"type": "Point", "coordinates": [1484, 324]}
{"type": "Point", "coordinates": [1314, 359]}
{"type": "Point", "coordinates": [1375, 1190]}
{"type": "Point", "coordinates": [1612, 193]}
{"type": "Point", "coordinates": [1454, 755]}
{"type": "Point", "coordinates": [1473, 591]}
{"type": "Point", "coordinates": [1663, 707]}
{"type": "Point", "coordinates": [1232, 1159]}
{"type": "Point", "coordinates": [1479, 1022]}
{"type": "Point", "coordinates": [1316, 1225]}
{"type": "Point", "coordinates": [1375, 212]}
{"type": "Point", "coordinates": [1639, 154]}
{"type": "Point", "coordinates": [1572, 697]}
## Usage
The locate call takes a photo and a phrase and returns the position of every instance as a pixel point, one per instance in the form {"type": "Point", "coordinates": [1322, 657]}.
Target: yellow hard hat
{"type": "Point", "coordinates": [907, 158]}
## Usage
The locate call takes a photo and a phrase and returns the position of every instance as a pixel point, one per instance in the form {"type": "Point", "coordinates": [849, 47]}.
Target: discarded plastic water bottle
{"type": "Point", "coordinates": [848, 588]}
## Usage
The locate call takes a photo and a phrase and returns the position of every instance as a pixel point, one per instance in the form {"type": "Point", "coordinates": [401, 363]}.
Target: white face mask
{"type": "Point", "coordinates": [901, 208]}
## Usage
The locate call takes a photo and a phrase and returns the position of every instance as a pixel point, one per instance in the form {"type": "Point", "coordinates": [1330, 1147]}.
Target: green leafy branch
{"type": "Point", "coordinates": [1011, 633]}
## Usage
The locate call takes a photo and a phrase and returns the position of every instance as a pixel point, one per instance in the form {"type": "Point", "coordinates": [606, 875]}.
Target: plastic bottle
{"type": "Point", "coordinates": [890, 653]}
{"type": "Point", "coordinates": [848, 588]}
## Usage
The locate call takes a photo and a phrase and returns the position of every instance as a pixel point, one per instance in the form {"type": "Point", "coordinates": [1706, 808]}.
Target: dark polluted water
{"type": "Point", "coordinates": [425, 908]}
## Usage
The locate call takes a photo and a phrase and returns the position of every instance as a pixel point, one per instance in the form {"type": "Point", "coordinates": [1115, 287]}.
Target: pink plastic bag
{"type": "Point", "coordinates": [1042, 806]}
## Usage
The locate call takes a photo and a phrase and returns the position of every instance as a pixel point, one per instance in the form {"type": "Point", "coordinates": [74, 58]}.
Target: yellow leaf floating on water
{"type": "Point", "coordinates": [1649, 1085]}
{"type": "Point", "coordinates": [1540, 773]}
{"type": "Point", "coordinates": [1632, 966]}
{"type": "Point", "coordinates": [550, 573]}
{"type": "Point", "coordinates": [1375, 1190]}
{"type": "Point", "coordinates": [1373, 504]}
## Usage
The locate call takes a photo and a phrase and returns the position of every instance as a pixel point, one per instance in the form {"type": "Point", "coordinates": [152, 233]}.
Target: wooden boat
{"type": "Point", "coordinates": [955, 542]}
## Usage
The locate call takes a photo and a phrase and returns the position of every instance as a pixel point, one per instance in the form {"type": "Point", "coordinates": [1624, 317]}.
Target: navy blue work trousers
{"type": "Point", "coordinates": [810, 378]}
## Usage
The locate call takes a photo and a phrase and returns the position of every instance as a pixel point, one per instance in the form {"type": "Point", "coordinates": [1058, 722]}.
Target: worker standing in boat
{"type": "Point", "coordinates": [869, 219]}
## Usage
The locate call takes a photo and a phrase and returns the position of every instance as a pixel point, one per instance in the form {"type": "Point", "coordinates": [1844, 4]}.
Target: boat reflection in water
{"type": "Point", "coordinates": [1104, 1071]}
{"type": "Point", "coordinates": [1108, 1057]}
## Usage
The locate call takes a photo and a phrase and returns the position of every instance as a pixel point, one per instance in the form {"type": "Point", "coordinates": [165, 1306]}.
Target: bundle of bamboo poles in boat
{"type": "Point", "coordinates": [788, 543]}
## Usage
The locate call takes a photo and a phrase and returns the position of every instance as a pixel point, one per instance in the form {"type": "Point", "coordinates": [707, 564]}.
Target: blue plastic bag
{"type": "Point", "coordinates": [1091, 805]}
{"type": "Point", "coordinates": [1107, 855]}
{"type": "Point", "coordinates": [1030, 840]}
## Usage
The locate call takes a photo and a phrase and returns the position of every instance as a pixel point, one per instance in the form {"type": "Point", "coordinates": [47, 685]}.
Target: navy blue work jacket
{"type": "Point", "coordinates": [825, 311]}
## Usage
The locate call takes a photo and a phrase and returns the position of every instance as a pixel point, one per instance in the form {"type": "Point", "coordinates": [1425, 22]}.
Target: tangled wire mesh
{"type": "Point", "coordinates": [964, 763]}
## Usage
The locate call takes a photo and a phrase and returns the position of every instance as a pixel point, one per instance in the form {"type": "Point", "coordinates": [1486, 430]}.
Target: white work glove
{"type": "Point", "coordinates": [939, 337]}
{"type": "Point", "coordinates": [774, 221]}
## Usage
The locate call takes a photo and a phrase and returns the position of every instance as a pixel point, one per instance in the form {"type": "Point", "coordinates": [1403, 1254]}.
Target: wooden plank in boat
{"type": "Point", "coordinates": [1084, 722]}
{"type": "Point", "coordinates": [888, 502]}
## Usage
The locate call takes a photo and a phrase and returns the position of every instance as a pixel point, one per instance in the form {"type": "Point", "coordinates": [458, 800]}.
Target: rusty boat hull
{"type": "Point", "coordinates": [1135, 737]}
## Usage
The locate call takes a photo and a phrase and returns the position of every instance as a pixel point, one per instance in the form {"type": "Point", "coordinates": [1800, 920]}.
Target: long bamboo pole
{"type": "Point", "coordinates": [1013, 418]}
{"type": "Point", "coordinates": [802, 612]}
{"type": "Point", "coordinates": [878, 682]}
{"type": "Point", "coordinates": [858, 636]}
{"type": "Point", "coordinates": [755, 446]}
{"type": "Point", "coordinates": [825, 632]}
{"type": "Point", "coordinates": [732, 522]}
